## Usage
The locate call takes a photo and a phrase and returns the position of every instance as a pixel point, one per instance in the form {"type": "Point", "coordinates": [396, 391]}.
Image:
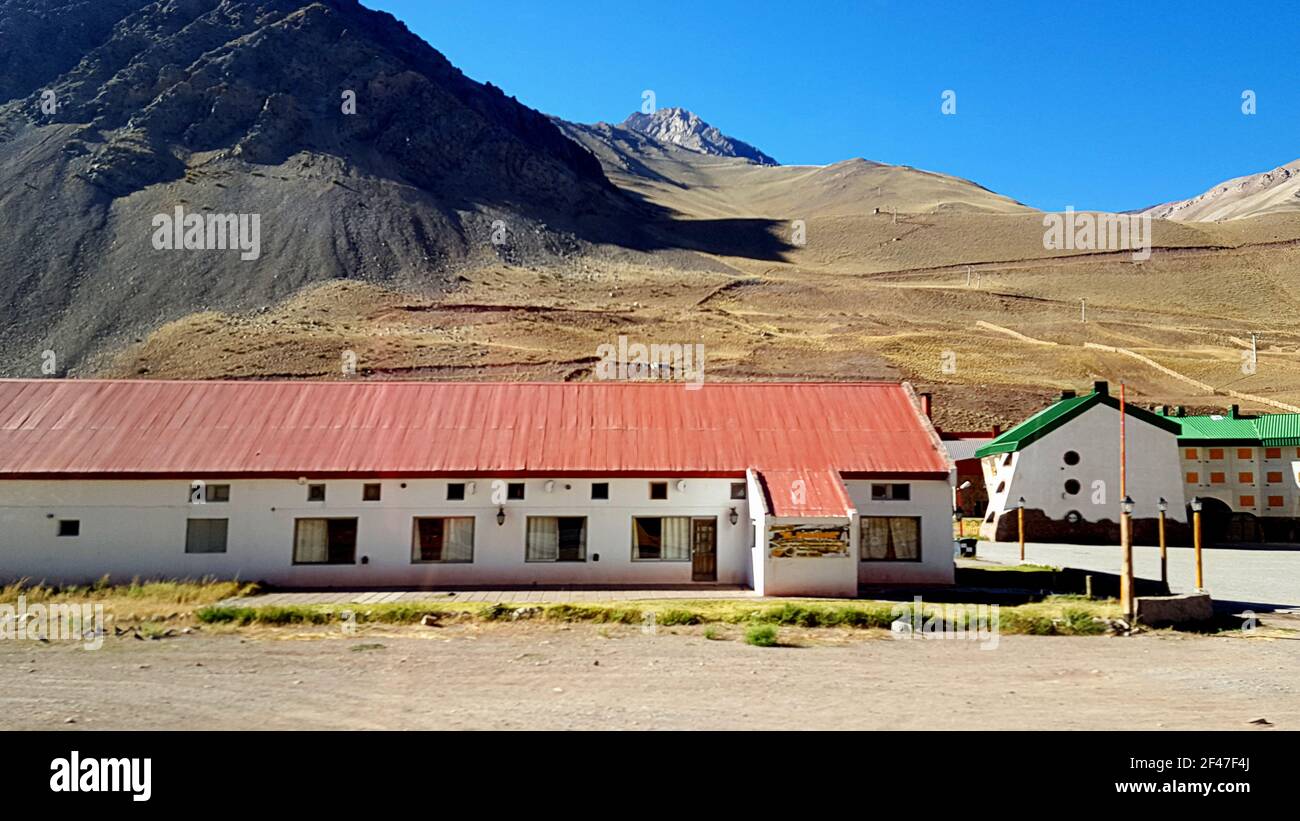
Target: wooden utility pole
{"type": "Point", "coordinates": [1020, 516]}
{"type": "Point", "coordinates": [1125, 536]}
{"type": "Point", "coordinates": [1164, 559]}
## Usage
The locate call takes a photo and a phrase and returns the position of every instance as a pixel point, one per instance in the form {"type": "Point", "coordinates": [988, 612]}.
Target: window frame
{"type": "Point", "coordinates": [586, 524]}
{"type": "Point", "coordinates": [690, 549]}
{"type": "Point", "coordinates": [379, 491]}
{"type": "Point", "coordinates": [512, 487]}
{"type": "Point", "coordinates": [225, 536]}
{"type": "Point", "coordinates": [356, 540]}
{"type": "Point", "coordinates": [454, 498]}
{"type": "Point", "coordinates": [744, 491]}
{"type": "Point", "coordinates": [312, 488]}
{"type": "Point", "coordinates": [920, 540]}
{"type": "Point", "coordinates": [63, 527]}
{"type": "Point", "coordinates": [890, 491]}
{"type": "Point", "coordinates": [596, 498]}
{"type": "Point", "coordinates": [415, 539]}
{"type": "Point", "coordinates": [655, 486]}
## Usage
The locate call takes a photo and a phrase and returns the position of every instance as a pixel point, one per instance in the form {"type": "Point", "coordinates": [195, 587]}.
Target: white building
{"type": "Point", "coordinates": [794, 489]}
{"type": "Point", "coordinates": [1064, 462]}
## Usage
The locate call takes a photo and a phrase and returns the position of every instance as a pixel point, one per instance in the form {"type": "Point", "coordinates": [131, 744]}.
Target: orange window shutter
{"type": "Point", "coordinates": [1216, 453]}
{"type": "Point", "coordinates": [1244, 453]}
{"type": "Point", "coordinates": [1273, 453]}
{"type": "Point", "coordinates": [1246, 478]}
{"type": "Point", "coordinates": [1193, 477]}
{"type": "Point", "coordinates": [1274, 476]}
{"type": "Point", "coordinates": [1248, 501]}
{"type": "Point", "coordinates": [1275, 501]}
{"type": "Point", "coordinates": [1190, 453]}
{"type": "Point", "coordinates": [1216, 478]}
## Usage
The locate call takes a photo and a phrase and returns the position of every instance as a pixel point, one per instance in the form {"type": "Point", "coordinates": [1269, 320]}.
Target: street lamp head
{"type": "Point", "coordinates": [1196, 504]}
{"type": "Point", "coordinates": [1162, 504]}
{"type": "Point", "coordinates": [1020, 503]}
{"type": "Point", "coordinates": [1127, 505]}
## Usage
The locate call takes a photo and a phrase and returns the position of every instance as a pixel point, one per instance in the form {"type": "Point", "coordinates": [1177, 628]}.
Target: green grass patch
{"type": "Point", "coordinates": [1056, 615]}
{"type": "Point", "coordinates": [762, 635]}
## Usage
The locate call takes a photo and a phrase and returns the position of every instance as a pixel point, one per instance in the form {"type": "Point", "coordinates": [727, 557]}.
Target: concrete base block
{"type": "Point", "coordinates": [1162, 611]}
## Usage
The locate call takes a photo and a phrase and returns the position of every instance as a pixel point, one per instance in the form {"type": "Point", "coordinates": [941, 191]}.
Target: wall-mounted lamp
{"type": "Point", "coordinates": [733, 516]}
{"type": "Point", "coordinates": [501, 515]}
{"type": "Point", "coordinates": [681, 487]}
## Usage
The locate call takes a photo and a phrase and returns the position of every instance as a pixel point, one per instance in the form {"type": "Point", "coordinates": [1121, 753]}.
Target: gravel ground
{"type": "Point", "coordinates": [542, 676]}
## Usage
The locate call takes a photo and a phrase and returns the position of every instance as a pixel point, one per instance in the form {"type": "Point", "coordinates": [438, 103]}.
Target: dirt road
{"type": "Point", "coordinates": [543, 676]}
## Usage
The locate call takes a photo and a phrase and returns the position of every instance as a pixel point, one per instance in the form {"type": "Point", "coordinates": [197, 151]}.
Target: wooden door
{"type": "Point", "coordinates": [704, 550]}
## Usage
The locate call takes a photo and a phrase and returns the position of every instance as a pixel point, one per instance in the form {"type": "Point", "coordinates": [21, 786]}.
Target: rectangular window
{"type": "Point", "coordinates": [600, 490]}
{"type": "Point", "coordinates": [1217, 478]}
{"type": "Point", "coordinates": [515, 490]}
{"type": "Point", "coordinates": [69, 527]}
{"type": "Point", "coordinates": [315, 493]}
{"type": "Point", "coordinates": [1190, 453]}
{"type": "Point", "coordinates": [891, 538]}
{"type": "Point", "coordinates": [448, 539]}
{"type": "Point", "coordinates": [1246, 478]}
{"type": "Point", "coordinates": [1247, 501]}
{"type": "Point", "coordinates": [556, 539]}
{"type": "Point", "coordinates": [217, 493]}
{"type": "Point", "coordinates": [371, 492]}
{"type": "Point", "coordinates": [1274, 477]}
{"type": "Point", "coordinates": [206, 535]}
{"type": "Point", "coordinates": [456, 492]}
{"type": "Point", "coordinates": [325, 541]}
{"type": "Point", "coordinates": [1272, 453]}
{"type": "Point", "coordinates": [1216, 453]}
{"type": "Point", "coordinates": [659, 490]}
{"type": "Point", "coordinates": [1245, 453]}
{"type": "Point", "coordinates": [666, 538]}
{"type": "Point", "coordinates": [1276, 501]}
{"type": "Point", "coordinates": [739, 490]}
{"type": "Point", "coordinates": [1193, 477]}
{"type": "Point", "coordinates": [891, 493]}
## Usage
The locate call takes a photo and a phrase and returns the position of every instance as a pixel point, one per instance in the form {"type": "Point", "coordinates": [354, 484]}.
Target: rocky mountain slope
{"type": "Point", "coordinates": [1271, 192]}
{"type": "Point", "coordinates": [684, 129]}
{"type": "Point", "coordinates": [363, 151]}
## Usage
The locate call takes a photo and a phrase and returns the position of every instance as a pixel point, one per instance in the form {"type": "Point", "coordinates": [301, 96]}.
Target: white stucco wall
{"type": "Point", "coordinates": [1039, 473]}
{"type": "Point", "coordinates": [137, 528]}
{"type": "Point", "coordinates": [932, 501]}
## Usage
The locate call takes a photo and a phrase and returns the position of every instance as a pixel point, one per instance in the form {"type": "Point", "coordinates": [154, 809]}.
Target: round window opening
{"type": "Point", "coordinates": [1071, 457]}
{"type": "Point", "coordinates": [1072, 487]}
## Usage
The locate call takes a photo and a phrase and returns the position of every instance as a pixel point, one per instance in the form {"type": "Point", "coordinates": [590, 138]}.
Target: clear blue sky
{"type": "Point", "coordinates": [1103, 105]}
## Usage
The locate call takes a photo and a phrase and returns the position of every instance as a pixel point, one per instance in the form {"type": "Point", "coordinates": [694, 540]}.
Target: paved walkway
{"type": "Point", "coordinates": [1258, 575]}
{"type": "Point", "coordinates": [523, 595]}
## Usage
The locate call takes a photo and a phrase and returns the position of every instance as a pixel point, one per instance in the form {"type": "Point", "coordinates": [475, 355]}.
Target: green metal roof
{"type": "Point", "coordinates": [1267, 430]}
{"type": "Point", "coordinates": [1057, 414]}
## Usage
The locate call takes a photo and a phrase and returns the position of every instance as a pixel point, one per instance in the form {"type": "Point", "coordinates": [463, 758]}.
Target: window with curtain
{"type": "Point", "coordinates": [661, 538]}
{"type": "Point", "coordinates": [449, 539]}
{"type": "Point", "coordinates": [325, 541]}
{"type": "Point", "coordinates": [891, 538]}
{"type": "Point", "coordinates": [556, 539]}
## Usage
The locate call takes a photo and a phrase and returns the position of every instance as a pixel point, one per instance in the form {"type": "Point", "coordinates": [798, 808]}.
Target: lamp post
{"type": "Point", "coordinates": [1196, 538]}
{"type": "Point", "coordinates": [1020, 515]}
{"type": "Point", "coordinates": [1126, 549]}
{"type": "Point", "coordinates": [1164, 559]}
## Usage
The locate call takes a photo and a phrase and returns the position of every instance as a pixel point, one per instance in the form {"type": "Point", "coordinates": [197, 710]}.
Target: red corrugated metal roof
{"type": "Point", "coordinates": [797, 492]}
{"type": "Point", "coordinates": [65, 427]}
